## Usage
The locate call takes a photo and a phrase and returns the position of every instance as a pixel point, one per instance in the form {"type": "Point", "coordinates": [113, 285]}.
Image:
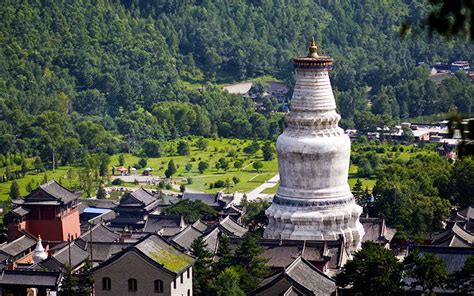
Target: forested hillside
{"type": "Point", "coordinates": [103, 76]}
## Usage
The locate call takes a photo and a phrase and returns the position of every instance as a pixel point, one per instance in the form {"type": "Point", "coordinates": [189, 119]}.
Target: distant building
{"type": "Point", "coordinates": [18, 249]}
{"type": "Point", "coordinates": [165, 225]}
{"type": "Point", "coordinates": [133, 209]}
{"type": "Point", "coordinates": [376, 231]}
{"type": "Point", "coordinates": [298, 278]}
{"type": "Point", "coordinates": [454, 259]}
{"type": "Point", "coordinates": [447, 151]}
{"type": "Point", "coordinates": [454, 236]}
{"type": "Point", "coordinates": [460, 66]}
{"type": "Point", "coordinates": [50, 211]}
{"type": "Point", "coordinates": [217, 201]}
{"type": "Point", "coordinates": [29, 282]}
{"type": "Point", "coordinates": [150, 267]}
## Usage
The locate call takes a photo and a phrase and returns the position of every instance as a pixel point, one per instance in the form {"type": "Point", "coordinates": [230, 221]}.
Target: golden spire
{"type": "Point", "coordinates": [313, 50]}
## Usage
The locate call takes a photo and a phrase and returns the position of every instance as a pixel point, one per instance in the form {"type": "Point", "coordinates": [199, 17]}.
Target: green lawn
{"type": "Point", "coordinates": [248, 177]}
{"type": "Point", "coordinates": [60, 175]}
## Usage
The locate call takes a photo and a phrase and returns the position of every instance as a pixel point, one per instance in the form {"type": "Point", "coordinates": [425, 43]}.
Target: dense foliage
{"type": "Point", "coordinates": [414, 193]}
{"type": "Point", "coordinates": [236, 272]}
{"type": "Point", "coordinates": [192, 210]}
{"type": "Point", "coordinates": [109, 76]}
{"type": "Point", "coordinates": [375, 270]}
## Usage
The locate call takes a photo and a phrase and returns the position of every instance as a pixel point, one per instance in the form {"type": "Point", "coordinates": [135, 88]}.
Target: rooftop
{"type": "Point", "coordinates": [232, 228]}
{"type": "Point", "coordinates": [100, 233]}
{"type": "Point", "coordinates": [18, 246]}
{"type": "Point", "coordinates": [454, 236]}
{"type": "Point", "coordinates": [156, 223]}
{"type": "Point", "coordinates": [211, 199]}
{"type": "Point", "coordinates": [30, 278]}
{"type": "Point", "coordinates": [164, 254]}
{"type": "Point", "coordinates": [453, 257]}
{"type": "Point", "coordinates": [299, 277]}
{"type": "Point", "coordinates": [50, 192]}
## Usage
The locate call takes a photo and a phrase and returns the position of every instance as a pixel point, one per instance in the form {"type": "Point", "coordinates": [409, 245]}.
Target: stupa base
{"type": "Point", "coordinates": [300, 223]}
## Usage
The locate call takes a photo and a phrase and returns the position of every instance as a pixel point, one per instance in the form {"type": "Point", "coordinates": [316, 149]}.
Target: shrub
{"type": "Point", "coordinates": [219, 184]}
{"type": "Point", "coordinates": [118, 182]}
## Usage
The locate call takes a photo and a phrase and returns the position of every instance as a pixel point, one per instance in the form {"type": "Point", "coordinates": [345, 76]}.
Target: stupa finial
{"type": "Point", "coordinates": [313, 49]}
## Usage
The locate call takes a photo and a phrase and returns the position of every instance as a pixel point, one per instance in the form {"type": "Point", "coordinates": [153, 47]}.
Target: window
{"type": "Point", "coordinates": [189, 272]}
{"type": "Point", "coordinates": [158, 286]}
{"type": "Point", "coordinates": [174, 284]}
{"type": "Point", "coordinates": [132, 285]}
{"type": "Point", "coordinates": [106, 283]}
{"type": "Point", "coordinates": [189, 292]}
{"type": "Point", "coordinates": [181, 278]}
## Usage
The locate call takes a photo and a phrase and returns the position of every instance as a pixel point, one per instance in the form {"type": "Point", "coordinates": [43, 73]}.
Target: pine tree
{"type": "Point", "coordinates": [104, 169]}
{"type": "Point", "coordinates": [227, 283]}
{"type": "Point", "coordinates": [85, 280]}
{"type": "Point", "coordinates": [24, 167]}
{"type": "Point", "coordinates": [171, 170]}
{"type": "Point", "coordinates": [224, 252]}
{"type": "Point", "coordinates": [247, 256]}
{"type": "Point", "coordinates": [268, 151]}
{"type": "Point", "coordinates": [201, 266]}
{"type": "Point", "coordinates": [14, 190]}
{"type": "Point", "coordinates": [428, 272]}
{"type": "Point", "coordinates": [358, 191]}
{"type": "Point", "coordinates": [29, 187]}
{"type": "Point", "coordinates": [45, 178]}
{"type": "Point", "coordinates": [227, 185]}
{"type": "Point", "coordinates": [101, 193]}
{"type": "Point", "coordinates": [69, 283]}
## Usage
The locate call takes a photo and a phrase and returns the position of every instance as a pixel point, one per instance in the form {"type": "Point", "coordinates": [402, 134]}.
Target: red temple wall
{"type": "Point", "coordinates": [13, 231]}
{"type": "Point", "coordinates": [56, 229]}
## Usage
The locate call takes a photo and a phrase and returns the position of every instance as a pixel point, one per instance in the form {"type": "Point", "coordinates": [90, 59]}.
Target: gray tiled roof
{"type": "Point", "coordinates": [78, 254]}
{"type": "Point", "coordinates": [155, 223]}
{"type": "Point", "coordinates": [305, 274]}
{"type": "Point", "coordinates": [30, 278]}
{"type": "Point", "coordinates": [210, 199]}
{"type": "Point", "coordinates": [281, 253]}
{"type": "Point", "coordinates": [98, 203]}
{"type": "Point", "coordinates": [212, 240]}
{"type": "Point", "coordinates": [454, 236]}
{"type": "Point", "coordinates": [467, 212]}
{"type": "Point", "coordinates": [376, 230]}
{"type": "Point", "coordinates": [102, 251]}
{"type": "Point", "coordinates": [232, 228]}
{"type": "Point", "coordinates": [55, 191]}
{"type": "Point", "coordinates": [18, 246]}
{"type": "Point", "coordinates": [298, 278]}
{"type": "Point", "coordinates": [186, 237]}
{"type": "Point", "coordinates": [100, 233]}
{"type": "Point", "coordinates": [199, 225]}
{"type": "Point", "coordinates": [452, 256]}
{"type": "Point", "coordinates": [144, 196]}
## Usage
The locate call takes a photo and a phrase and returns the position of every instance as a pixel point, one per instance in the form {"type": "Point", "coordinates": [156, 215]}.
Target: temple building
{"type": "Point", "coordinates": [50, 211]}
{"type": "Point", "coordinates": [314, 201]}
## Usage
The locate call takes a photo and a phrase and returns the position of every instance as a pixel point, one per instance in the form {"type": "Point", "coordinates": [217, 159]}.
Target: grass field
{"type": "Point", "coordinates": [216, 149]}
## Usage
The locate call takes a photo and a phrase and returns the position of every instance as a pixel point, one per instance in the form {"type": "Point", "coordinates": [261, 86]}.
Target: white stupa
{"type": "Point", "coordinates": [314, 201]}
{"type": "Point", "coordinates": [39, 254]}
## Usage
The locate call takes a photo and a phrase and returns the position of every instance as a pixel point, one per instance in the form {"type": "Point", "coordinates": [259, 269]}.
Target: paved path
{"type": "Point", "coordinates": [257, 192]}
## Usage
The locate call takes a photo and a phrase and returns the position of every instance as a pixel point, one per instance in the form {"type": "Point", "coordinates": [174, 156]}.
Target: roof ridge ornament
{"type": "Point", "coordinates": [313, 49]}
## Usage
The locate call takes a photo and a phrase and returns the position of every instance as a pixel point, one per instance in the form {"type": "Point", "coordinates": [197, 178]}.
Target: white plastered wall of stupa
{"type": "Point", "coordinates": [314, 201]}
